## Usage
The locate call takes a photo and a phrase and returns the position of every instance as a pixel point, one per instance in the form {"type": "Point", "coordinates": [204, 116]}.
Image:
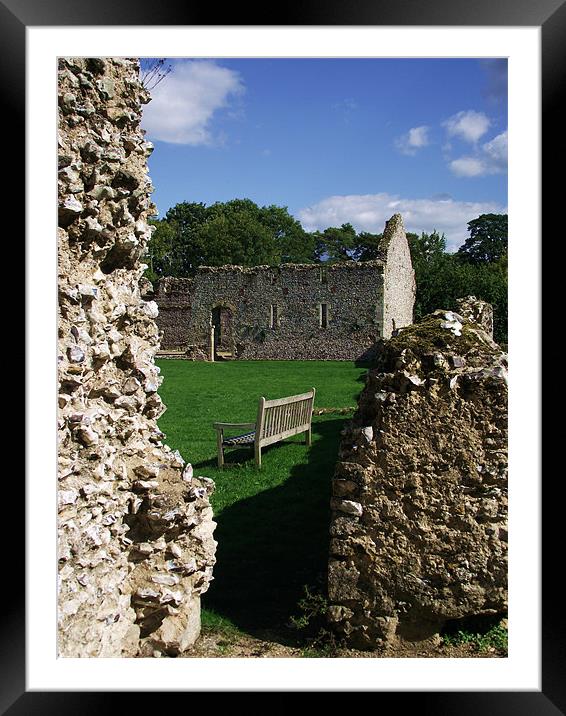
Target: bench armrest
{"type": "Point", "coordinates": [232, 426]}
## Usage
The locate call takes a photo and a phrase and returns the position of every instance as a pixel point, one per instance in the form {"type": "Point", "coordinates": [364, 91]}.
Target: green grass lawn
{"type": "Point", "coordinates": [273, 523]}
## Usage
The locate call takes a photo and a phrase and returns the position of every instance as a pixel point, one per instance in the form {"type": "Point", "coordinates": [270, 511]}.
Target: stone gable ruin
{"type": "Point", "coordinates": [293, 311]}
{"type": "Point", "coordinates": [135, 545]}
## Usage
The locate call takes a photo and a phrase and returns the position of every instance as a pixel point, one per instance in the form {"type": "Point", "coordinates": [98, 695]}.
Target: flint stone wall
{"type": "Point", "coordinates": [355, 296]}
{"type": "Point", "coordinates": [399, 278]}
{"type": "Point", "coordinates": [477, 311]}
{"type": "Point", "coordinates": [419, 507]}
{"type": "Point", "coordinates": [135, 544]}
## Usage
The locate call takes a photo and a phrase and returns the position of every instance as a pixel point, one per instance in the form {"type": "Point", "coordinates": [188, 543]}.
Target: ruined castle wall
{"type": "Point", "coordinates": [175, 298]}
{"type": "Point", "coordinates": [295, 311]}
{"type": "Point", "coordinates": [135, 545]}
{"type": "Point", "coordinates": [277, 313]}
{"type": "Point", "coordinates": [419, 507]}
{"type": "Point", "coordinates": [477, 311]}
{"type": "Point", "coordinates": [399, 277]}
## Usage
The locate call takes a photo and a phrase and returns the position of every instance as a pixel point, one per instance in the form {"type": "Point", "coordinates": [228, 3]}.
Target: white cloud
{"type": "Point", "coordinates": [184, 103]}
{"type": "Point", "coordinates": [496, 151]}
{"type": "Point", "coordinates": [491, 158]}
{"type": "Point", "coordinates": [413, 140]}
{"type": "Point", "coordinates": [369, 212]}
{"type": "Point", "coordinates": [467, 167]}
{"type": "Point", "coordinates": [468, 125]}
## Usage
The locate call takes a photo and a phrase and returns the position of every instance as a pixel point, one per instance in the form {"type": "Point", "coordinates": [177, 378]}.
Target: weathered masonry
{"type": "Point", "coordinates": [293, 311]}
{"type": "Point", "coordinates": [135, 528]}
{"type": "Point", "coordinates": [418, 533]}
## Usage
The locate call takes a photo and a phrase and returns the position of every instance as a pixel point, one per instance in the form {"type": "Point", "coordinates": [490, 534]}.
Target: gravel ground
{"type": "Point", "coordinates": [217, 644]}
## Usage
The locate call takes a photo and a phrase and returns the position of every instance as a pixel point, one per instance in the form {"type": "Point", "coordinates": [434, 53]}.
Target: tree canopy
{"type": "Point", "coordinates": [234, 232]}
{"type": "Point", "coordinates": [487, 241]}
{"type": "Point", "coordinates": [443, 277]}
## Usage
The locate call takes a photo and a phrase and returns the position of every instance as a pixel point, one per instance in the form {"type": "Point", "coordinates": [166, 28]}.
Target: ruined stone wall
{"type": "Point", "coordinates": [399, 277]}
{"type": "Point", "coordinates": [351, 292]}
{"type": "Point", "coordinates": [477, 311]}
{"type": "Point", "coordinates": [352, 295]}
{"type": "Point", "coordinates": [175, 297]}
{"type": "Point", "coordinates": [419, 507]}
{"type": "Point", "coordinates": [135, 545]}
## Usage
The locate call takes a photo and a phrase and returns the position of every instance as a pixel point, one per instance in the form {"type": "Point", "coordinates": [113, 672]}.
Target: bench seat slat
{"type": "Point", "coordinates": [246, 439]}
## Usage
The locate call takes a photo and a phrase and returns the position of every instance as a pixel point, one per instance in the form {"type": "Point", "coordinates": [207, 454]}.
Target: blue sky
{"type": "Point", "coordinates": [335, 140]}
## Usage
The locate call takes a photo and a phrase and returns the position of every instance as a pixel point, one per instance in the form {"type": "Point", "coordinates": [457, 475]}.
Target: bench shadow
{"type": "Point", "coordinates": [237, 456]}
{"type": "Point", "coordinates": [273, 544]}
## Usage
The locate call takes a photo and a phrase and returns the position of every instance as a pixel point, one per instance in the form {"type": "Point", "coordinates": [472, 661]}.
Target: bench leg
{"type": "Point", "coordinates": [219, 437]}
{"type": "Point", "coordinates": [258, 455]}
{"type": "Point", "coordinates": [308, 439]}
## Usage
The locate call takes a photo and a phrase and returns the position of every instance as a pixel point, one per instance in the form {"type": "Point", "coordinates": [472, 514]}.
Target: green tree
{"type": "Point", "coordinates": [161, 257]}
{"type": "Point", "coordinates": [489, 282]}
{"type": "Point", "coordinates": [487, 241]}
{"type": "Point", "coordinates": [236, 237]}
{"type": "Point", "coordinates": [335, 243]}
{"type": "Point", "coordinates": [432, 266]}
{"type": "Point", "coordinates": [367, 246]}
{"type": "Point", "coordinates": [186, 219]}
{"type": "Point", "coordinates": [442, 278]}
{"type": "Point", "coordinates": [295, 244]}
{"type": "Point", "coordinates": [233, 232]}
{"type": "Point", "coordinates": [426, 248]}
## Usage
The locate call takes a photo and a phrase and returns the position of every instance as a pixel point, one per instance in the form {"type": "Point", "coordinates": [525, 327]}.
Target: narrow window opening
{"type": "Point", "coordinates": [324, 315]}
{"type": "Point", "coordinates": [377, 318]}
{"type": "Point", "coordinates": [274, 317]}
{"type": "Point", "coordinates": [323, 275]}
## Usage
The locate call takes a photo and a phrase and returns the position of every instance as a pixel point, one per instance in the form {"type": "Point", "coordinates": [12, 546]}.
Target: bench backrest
{"type": "Point", "coordinates": [280, 418]}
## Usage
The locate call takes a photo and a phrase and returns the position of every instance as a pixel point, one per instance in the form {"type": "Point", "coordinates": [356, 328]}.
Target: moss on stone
{"type": "Point", "coordinates": [428, 336]}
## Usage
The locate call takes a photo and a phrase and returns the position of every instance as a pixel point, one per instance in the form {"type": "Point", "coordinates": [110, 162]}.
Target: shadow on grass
{"type": "Point", "coordinates": [272, 544]}
{"type": "Point", "coordinates": [244, 456]}
{"type": "Point", "coordinates": [238, 456]}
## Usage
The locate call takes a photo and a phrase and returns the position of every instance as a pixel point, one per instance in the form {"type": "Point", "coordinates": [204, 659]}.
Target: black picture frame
{"type": "Point", "coordinates": [550, 16]}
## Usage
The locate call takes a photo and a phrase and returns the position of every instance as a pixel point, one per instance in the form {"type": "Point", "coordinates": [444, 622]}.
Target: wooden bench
{"type": "Point", "coordinates": [276, 420]}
